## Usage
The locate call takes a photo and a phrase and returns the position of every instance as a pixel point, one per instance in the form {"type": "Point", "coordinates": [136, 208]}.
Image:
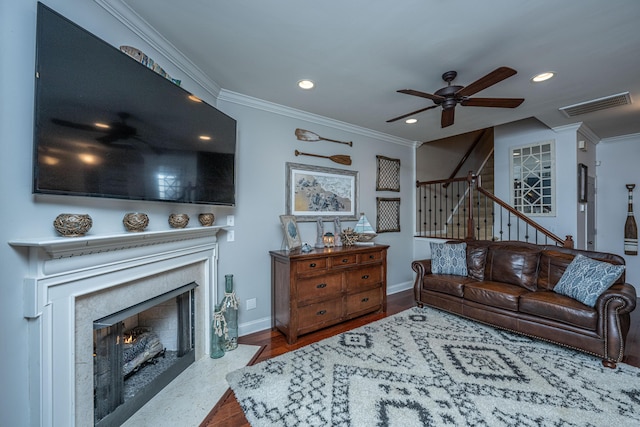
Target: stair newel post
{"type": "Point", "coordinates": [470, 225]}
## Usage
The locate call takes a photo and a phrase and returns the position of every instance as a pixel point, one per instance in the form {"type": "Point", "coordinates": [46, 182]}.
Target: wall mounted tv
{"type": "Point", "coordinates": [108, 126]}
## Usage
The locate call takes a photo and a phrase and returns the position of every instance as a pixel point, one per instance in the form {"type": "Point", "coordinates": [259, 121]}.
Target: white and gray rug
{"type": "Point", "coordinates": [424, 367]}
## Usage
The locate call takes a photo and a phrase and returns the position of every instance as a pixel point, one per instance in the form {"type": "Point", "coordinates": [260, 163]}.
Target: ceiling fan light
{"type": "Point", "coordinates": [543, 76]}
{"type": "Point", "coordinates": [306, 84]}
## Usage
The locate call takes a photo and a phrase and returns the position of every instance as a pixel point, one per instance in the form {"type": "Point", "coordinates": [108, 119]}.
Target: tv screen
{"type": "Point", "coordinates": [108, 126]}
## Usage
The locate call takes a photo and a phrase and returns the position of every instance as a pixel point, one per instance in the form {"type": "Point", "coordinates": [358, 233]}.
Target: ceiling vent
{"type": "Point", "coordinates": [596, 104]}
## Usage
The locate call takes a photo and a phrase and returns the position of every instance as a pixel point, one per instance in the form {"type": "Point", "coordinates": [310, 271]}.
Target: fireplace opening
{"type": "Point", "coordinates": [139, 350]}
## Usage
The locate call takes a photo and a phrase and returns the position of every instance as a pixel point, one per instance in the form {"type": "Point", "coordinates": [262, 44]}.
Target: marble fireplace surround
{"type": "Point", "coordinates": [73, 281]}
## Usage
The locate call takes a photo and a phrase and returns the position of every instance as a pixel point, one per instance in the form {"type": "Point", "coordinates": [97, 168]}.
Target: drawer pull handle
{"type": "Point", "coordinates": [345, 260]}
{"type": "Point", "coordinates": [371, 256]}
{"type": "Point", "coordinates": [365, 299]}
{"type": "Point", "coordinates": [366, 276]}
{"type": "Point", "coordinates": [321, 285]}
{"type": "Point", "coordinates": [313, 264]}
{"type": "Point", "coordinates": [321, 313]}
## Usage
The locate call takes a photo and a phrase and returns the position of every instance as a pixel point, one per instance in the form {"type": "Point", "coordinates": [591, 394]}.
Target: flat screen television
{"type": "Point", "coordinates": [108, 126]}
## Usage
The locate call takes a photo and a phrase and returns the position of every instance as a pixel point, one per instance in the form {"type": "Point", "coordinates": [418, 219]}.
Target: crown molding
{"type": "Point", "coordinates": [127, 16]}
{"type": "Point", "coordinates": [259, 104]}
{"type": "Point", "coordinates": [632, 137]}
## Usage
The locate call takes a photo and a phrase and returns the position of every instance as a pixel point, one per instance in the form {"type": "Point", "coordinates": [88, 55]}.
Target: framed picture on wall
{"type": "Point", "coordinates": [388, 174]}
{"type": "Point", "coordinates": [315, 192]}
{"type": "Point", "coordinates": [583, 195]}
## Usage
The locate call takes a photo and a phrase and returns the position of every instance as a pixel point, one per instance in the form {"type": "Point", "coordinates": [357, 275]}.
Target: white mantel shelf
{"type": "Point", "coordinates": [62, 247]}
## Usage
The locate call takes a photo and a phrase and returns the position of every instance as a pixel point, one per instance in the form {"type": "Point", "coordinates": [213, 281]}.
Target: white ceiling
{"type": "Point", "coordinates": [359, 52]}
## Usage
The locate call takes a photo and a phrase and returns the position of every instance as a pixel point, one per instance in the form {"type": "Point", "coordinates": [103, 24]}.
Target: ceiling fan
{"type": "Point", "coordinates": [449, 96]}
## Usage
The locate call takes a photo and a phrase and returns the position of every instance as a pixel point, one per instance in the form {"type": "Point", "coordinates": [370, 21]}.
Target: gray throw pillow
{"type": "Point", "coordinates": [449, 258]}
{"type": "Point", "coordinates": [585, 279]}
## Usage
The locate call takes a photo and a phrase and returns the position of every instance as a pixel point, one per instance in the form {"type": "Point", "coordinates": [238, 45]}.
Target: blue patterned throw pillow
{"type": "Point", "coordinates": [449, 258]}
{"type": "Point", "coordinates": [585, 279]}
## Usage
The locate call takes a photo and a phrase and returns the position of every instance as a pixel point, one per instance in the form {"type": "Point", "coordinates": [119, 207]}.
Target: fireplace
{"type": "Point", "coordinates": [77, 284]}
{"type": "Point", "coordinates": [138, 351]}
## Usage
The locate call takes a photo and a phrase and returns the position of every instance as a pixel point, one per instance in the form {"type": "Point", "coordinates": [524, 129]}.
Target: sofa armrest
{"type": "Point", "coordinates": [625, 294]}
{"type": "Point", "coordinates": [614, 306]}
{"type": "Point", "coordinates": [422, 267]}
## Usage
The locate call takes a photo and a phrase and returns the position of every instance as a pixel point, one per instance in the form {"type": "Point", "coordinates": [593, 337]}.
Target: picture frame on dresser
{"type": "Point", "coordinates": [291, 232]}
{"type": "Point", "coordinates": [314, 192]}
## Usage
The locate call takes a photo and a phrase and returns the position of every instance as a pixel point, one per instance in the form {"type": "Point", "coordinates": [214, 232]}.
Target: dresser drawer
{"type": "Point", "coordinates": [364, 277]}
{"type": "Point", "coordinates": [370, 257]}
{"type": "Point", "coordinates": [313, 315]}
{"type": "Point", "coordinates": [364, 301]}
{"type": "Point", "coordinates": [343, 260]}
{"type": "Point", "coordinates": [315, 264]}
{"type": "Point", "coordinates": [319, 287]}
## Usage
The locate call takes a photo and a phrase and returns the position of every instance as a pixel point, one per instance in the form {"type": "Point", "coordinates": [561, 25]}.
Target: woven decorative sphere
{"type": "Point", "coordinates": [206, 219]}
{"type": "Point", "coordinates": [178, 220]}
{"type": "Point", "coordinates": [135, 221]}
{"type": "Point", "coordinates": [349, 237]}
{"type": "Point", "coordinates": [72, 225]}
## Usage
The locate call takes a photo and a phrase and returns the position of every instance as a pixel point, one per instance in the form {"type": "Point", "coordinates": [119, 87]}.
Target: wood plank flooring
{"type": "Point", "coordinates": [228, 413]}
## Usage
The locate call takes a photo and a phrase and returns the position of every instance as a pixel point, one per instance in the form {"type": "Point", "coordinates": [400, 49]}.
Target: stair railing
{"type": "Point", "coordinates": [465, 210]}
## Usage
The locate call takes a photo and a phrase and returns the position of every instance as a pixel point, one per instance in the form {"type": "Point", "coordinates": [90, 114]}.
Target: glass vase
{"type": "Point", "coordinates": [218, 334]}
{"type": "Point", "coordinates": [230, 310]}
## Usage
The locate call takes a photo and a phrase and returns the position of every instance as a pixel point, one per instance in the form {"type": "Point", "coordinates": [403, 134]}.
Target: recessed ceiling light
{"type": "Point", "coordinates": [194, 98]}
{"type": "Point", "coordinates": [306, 84]}
{"type": "Point", "coordinates": [205, 137]}
{"type": "Point", "coordinates": [543, 76]}
{"type": "Point", "coordinates": [411, 121]}
{"type": "Point", "coordinates": [102, 125]}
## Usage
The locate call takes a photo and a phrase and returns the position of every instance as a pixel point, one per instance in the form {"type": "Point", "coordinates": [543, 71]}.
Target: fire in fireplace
{"type": "Point", "coordinates": [139, 350]}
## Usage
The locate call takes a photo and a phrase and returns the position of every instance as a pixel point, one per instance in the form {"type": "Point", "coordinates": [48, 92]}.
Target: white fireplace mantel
{"type": "Point", "coordinates": [64, 270]}
{"type": "Point", "coordinates": [59, 247]}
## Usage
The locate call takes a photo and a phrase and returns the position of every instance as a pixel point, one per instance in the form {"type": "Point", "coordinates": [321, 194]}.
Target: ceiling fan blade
{"type": "Point", "coordinates": [492, 102]}
{"type": "Point", "coordinates": [422, 94]}
{"type": "Point", "coordinates": [411, 114]}
{"type": "Point", "coordinates": [447, 117]}
{"type": "Point", "coordinates": [496, 76]}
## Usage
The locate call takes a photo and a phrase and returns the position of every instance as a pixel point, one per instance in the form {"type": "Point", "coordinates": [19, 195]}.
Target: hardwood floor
{"type": "Point", "coordinates": [228, 413]}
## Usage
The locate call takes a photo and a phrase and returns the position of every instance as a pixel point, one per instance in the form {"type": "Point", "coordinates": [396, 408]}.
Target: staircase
{"type": "Point", "coordinates": [443, 212]}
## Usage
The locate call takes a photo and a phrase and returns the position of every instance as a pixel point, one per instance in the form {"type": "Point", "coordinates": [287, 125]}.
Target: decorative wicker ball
{"type": "Point", "coordinates": [72, 225]}
{"type": "Point", "coordinates": [178, 220]}
{"type": "Point", "coordinates": [206, 219]}
{"type": "Point", "coordinates": [135, 221]}
{"type": "Point", "coordinates": [349, 237]}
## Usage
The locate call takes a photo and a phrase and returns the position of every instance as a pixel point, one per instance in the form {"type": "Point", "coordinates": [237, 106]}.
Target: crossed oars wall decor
{"type": "Point", "coordinates": [338, 158]}
{"type": "Point", "coordinates": [305, 135]}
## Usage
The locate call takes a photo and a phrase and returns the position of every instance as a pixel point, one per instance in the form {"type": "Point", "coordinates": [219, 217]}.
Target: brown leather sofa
{"type": "Point", "coordinates": [510, 285]}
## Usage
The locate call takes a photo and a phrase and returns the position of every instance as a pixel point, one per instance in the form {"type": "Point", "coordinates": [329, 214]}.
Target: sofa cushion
{"type": "Point", "coordinates": [552, 266]}
{"type": "Point", "coordinates": [449, 258]}
{"type": "Point", "coordinates": [494, 294]}
{"type": "Point", "coordinates": [515, 265]}
{"type": "Point", "coordinates": [585, 279]}
{"type": "Point", "coordinates": [559, 308]}
{"type": "Point", "coordinates": [445, 283]}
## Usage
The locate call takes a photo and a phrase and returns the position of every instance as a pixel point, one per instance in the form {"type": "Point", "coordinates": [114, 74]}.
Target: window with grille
{"type": "Point", "coordinates": [533, 179]}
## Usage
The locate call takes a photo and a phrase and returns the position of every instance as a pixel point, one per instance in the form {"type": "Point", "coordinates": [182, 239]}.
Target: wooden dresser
{"type": "Point", "coordinates": [326, 286]}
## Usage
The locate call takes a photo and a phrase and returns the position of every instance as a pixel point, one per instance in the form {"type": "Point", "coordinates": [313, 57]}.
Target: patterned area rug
{"type": "Point", "coordinates": [424, 367]}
